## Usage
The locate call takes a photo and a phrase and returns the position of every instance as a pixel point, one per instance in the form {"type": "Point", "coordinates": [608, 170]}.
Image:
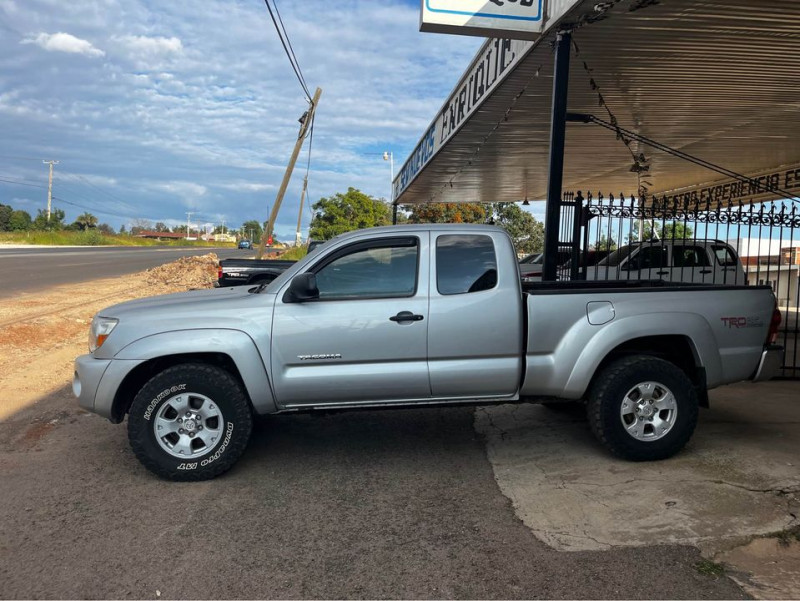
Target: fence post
{"type": "Point", "coordinates": [558, 126]}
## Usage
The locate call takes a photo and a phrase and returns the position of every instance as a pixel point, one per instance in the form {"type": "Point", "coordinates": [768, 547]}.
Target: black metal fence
{"type": "Point", "coordinates": [705, 242]}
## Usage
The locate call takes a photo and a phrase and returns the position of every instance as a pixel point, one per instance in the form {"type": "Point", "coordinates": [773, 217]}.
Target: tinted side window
{"type": "Point", "coordinates": [376, 272]}
{"type": "Point", "coordinates": [689, 256]}
{"type": "Point", "coordinates": [724, 256]}
{"type": "Point", "coordinates": [465, 263]}
{"type": "Point", "coordinates": [650, 257]}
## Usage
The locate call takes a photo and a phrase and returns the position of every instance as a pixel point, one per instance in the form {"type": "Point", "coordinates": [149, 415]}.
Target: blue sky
{"type": "Point", "coordinates": [158, 108]}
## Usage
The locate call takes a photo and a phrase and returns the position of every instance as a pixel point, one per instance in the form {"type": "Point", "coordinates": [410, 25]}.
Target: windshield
{"type": "Point", "coordinates": [617, 257]}
{"type": "Point", "coordinates": [534, 259]}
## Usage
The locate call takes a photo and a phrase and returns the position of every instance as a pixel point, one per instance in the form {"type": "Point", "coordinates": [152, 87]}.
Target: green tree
{"type": "Point", "coordinates": [449, 212]}
{"type": "Point", "coordinates": [122, 229]}
{"type": "Point", "coordinates": [677, 231]}
{"type": "Point", "coordinates": [671, 230]}
{"type": "Point", "coordinates": [141, 225]}
{"type": "Point", "coordinates": [20, 221]}
{"type": "Point", "coordinates": [106, 229]}
{"type": "Point", "coordinates": [161, 227]}
{"type": "Point", "coordinates": [5, 217]}
{"type": "Point", "coordinates": [56, 221]}
{"type": "Point", "coordinates": [604, 243]}
{"type": "Point", "coordinates": [252, 230]}
{"type": "Point", "coordinates": [526, 232]}
{"type": "Point", "coordinates": [86, 221]}
{"type": "Point", "coordinates": [352, 210]}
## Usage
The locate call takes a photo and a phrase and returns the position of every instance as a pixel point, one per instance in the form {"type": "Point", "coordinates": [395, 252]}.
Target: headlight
{"type": "Point", "coordinates": [99, 331]}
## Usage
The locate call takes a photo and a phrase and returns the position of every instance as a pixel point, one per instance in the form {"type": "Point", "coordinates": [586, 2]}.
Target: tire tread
{"type": "Point", "coordinates": [242, 417]}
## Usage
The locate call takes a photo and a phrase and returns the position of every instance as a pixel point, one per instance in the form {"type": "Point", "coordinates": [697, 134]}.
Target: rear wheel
{"type": "Point", "coordinates": [190, 422]}
{"type": "Point", "coordinates": [643, 408]}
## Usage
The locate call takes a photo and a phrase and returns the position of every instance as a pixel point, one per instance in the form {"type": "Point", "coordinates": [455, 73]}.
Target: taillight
{"type": "Point", "coordinates": [219, 272]}
{"type": "Point", "coordinates": [774, 325]}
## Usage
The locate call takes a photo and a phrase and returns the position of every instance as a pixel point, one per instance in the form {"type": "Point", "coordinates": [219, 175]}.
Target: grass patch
{"type": "Point", "coordinates": [788, 536]}
{"type": "Point", "coordinates": [95, 238]}
{"type": "Point", "coordinates": [295, 253]}
{"type": "Point", "coordinates": [709, 568]}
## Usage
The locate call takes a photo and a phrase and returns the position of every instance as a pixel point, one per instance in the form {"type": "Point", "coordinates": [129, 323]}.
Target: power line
{"type": "Point", "coordinates": [21, 183]}
{"type": "Point", "coordinates": [291, 48]}
{"type": "Point", "coordinates": [284, 38]}
{"type": "Point", "coordinates": [18, 158]}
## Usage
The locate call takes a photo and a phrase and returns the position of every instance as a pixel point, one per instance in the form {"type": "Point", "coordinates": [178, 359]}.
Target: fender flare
{"type": "Point", "coordinates": [692, 326]}
{"type": "Point", "coordinates": [235, 344]}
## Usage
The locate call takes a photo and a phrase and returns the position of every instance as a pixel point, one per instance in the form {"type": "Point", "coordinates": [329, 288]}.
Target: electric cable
{"type": "Point", "coordinates": [290, 55]}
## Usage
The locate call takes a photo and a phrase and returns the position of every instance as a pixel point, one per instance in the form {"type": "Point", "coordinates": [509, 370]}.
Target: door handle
{"type": "Point", "coordinates": [662, 272]}
{"type": "Point", "coordinates": [404, 316]}
{"type": "Point", "coordinates": [705, 271]}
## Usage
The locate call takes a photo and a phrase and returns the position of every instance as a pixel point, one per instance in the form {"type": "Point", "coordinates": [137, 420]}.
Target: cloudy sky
{"type": "Point", "coordinates": [154, 108]}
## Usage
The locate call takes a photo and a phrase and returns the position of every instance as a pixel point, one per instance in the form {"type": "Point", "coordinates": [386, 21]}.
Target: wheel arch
{"type": "Point", "coordinates": [685, 339]}
{"type": "Point", "coordinates": [233, 350]}
{"type": "Point", "coordinates": [143, 372]}
{"type": "Point", "coordinates": [678, 349]}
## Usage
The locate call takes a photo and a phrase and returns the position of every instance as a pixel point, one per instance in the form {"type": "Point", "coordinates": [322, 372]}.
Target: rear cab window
{"type": "Point", "coordinates": [465, 264]}
{"type": "Point", "coordinates": [724, 255]}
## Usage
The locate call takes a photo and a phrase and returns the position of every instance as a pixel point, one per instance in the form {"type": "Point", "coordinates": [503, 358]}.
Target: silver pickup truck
{"type": "Point", "coordinates": [416, 316]}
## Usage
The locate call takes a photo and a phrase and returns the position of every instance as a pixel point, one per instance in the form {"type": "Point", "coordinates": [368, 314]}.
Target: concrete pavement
{"type": "Point", "coordinates": [738, 478]}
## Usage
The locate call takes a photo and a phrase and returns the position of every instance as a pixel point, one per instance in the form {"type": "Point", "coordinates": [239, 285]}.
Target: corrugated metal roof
{"type": "Point", "coordinates": [719, 80]}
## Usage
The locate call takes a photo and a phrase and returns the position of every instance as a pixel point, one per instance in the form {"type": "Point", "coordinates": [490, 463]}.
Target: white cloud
{"type": "Point", "coordinates": [194, 108]}
{"type": "Point", "coordinates": [247, 187]}
{"type": "Point", "coordinates": [63, 42]}
{"type": "Point", "coordinates": [149, 46]}
{"type": "Point", "coordinates": [182, 189]}
{"type": "Point", "coordinates": [147, 53]}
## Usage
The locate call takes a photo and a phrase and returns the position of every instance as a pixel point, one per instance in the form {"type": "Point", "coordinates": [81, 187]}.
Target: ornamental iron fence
{"type": "Point", "coordinates": [703, 242]}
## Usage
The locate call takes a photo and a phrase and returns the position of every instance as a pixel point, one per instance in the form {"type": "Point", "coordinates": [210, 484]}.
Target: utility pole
{"type": "Point", "coordinates": [50, 186]}
{"type": "Point", "coordinates": [188, 223]}
{"type": "Point", "coordinates": [298, 237]}
{"type": "Point", "coordinates": [305, 123]}
{"type": "Point", "coordinates": [389, 156]}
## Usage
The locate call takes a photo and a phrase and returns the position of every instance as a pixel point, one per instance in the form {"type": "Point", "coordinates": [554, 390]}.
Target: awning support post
{"type": "Point", "coordinates": [558, 126]}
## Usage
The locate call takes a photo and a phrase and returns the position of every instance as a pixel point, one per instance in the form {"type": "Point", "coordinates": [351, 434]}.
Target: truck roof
{"type": "Point", "coordinates": [422, 227]}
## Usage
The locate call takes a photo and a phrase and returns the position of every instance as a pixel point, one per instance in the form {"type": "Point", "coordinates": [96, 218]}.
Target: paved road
{"type": "Point", "coordinates": [391, 504]}
{"type": "Point", "coordinates": [31, 269]}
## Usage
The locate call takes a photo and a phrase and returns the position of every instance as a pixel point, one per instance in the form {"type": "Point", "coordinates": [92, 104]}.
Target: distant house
{"type": "Point", "coordinates": [772, 263]}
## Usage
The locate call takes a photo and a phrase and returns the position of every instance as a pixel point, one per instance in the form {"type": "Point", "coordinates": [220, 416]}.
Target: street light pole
{"type": "Point", "coordinates": [389, 156]}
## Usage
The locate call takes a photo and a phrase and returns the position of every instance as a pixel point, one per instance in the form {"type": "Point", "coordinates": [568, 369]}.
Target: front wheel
{"type": "Point", "coordinates": [642, 408]}
{"type": "Point", "coordinates": [190, 422]}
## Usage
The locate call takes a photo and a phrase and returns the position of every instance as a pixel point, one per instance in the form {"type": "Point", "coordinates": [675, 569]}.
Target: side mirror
{"type": "Point", "coordinates": [302, 288]}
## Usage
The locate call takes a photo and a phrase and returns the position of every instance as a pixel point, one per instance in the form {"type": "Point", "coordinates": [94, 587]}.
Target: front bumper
{"type": "Point", "coordinates": [96, 382]}
{"type": "Point", "coordinates": [770, 364]}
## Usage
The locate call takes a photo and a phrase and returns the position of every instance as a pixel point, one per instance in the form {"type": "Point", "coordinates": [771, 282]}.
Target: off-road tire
{"type": "Point", "coordinates": [211, 382]}
{"type": "Point", "coordinates": [608, 392]}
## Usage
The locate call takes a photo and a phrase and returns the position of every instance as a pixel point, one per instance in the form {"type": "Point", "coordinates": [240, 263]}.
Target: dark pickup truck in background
{"type": "Point", "coordinates": [242, 272]}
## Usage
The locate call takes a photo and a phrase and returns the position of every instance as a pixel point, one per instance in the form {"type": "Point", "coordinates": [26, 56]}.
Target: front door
{"type": "Point", "coordinates": [365, 338]}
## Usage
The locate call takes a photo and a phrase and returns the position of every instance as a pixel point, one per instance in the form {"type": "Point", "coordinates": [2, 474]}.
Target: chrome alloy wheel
{"type": "Point", "coordinates": [188, 425]}
{"type": "Point", "coordinates": [648, 411]}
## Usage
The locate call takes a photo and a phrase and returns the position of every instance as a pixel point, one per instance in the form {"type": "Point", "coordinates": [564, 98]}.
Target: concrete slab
{"type": "Point", "coordinates": [738, 478]}
{"type": "Point", "coordinates": [767, 568]}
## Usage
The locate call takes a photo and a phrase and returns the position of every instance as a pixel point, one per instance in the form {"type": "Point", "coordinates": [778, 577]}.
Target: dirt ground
{"type": "Point", "coordinates": [374, 504]}
{"type": "Point", "coordinates": [41, 334]}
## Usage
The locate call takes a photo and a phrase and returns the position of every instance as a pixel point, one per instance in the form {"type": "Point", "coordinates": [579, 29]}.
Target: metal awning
{"type": "Point", "coordinates": [716, 79]}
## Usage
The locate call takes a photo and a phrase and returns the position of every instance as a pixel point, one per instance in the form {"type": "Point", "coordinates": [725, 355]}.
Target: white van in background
{"type": "Point", "coordinates": [697, 261]}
